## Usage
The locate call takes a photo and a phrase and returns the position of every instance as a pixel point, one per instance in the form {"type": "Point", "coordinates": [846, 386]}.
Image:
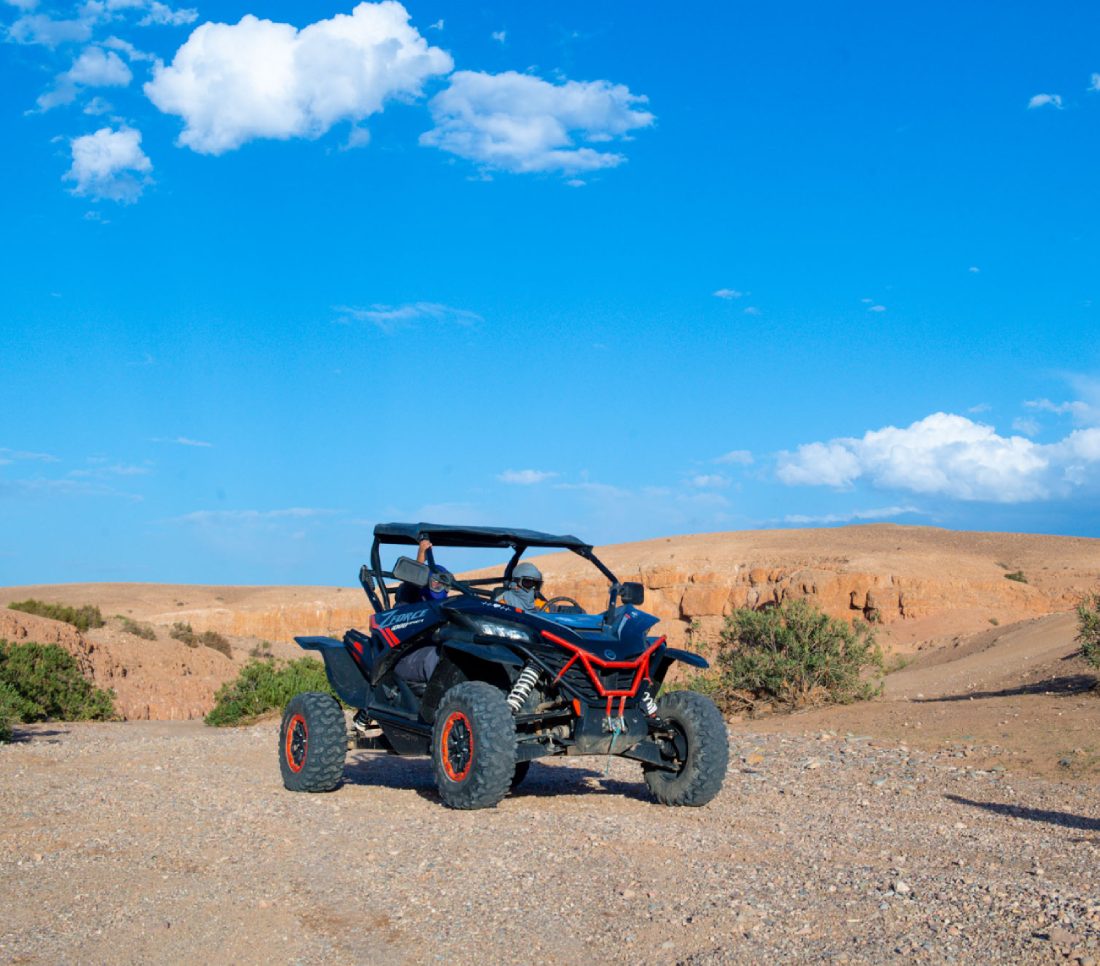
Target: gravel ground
{"type": "Point", "coordinates": [172, 842]}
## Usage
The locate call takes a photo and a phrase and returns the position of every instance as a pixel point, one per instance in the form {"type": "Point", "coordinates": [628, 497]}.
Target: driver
{"type": "Point", "coordinates": [524, 590]}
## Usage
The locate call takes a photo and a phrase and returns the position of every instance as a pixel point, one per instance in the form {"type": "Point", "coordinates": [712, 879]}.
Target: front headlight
{"type": "Point", "coordinates": [496, 629]}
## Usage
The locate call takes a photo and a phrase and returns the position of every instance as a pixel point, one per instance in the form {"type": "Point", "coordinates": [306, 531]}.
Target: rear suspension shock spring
{"type": "Point", "coordinates": [526, 681]}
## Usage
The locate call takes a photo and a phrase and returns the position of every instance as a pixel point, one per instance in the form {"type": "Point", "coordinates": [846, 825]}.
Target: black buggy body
{"type": "Point", "coordinates": [510, 685]}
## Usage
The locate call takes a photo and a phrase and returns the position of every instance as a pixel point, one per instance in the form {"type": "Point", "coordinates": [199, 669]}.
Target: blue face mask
{"type": "Point", "coordinates": [441, 593]}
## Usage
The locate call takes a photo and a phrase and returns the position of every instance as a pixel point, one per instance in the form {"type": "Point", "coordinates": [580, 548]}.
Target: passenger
{"type": "Point", "coordinates": [418, 667]}
{"type": "Point", "coordinates": [435, 590]}
{"type": "Point", "coordinates": [524, 590]}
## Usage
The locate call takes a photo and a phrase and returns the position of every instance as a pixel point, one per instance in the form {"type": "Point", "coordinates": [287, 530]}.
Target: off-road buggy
{"type": "Point", "coordinates": [510, 685]}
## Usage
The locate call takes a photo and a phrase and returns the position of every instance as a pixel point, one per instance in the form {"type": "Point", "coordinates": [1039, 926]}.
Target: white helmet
{"type": "Point", "coordinates": [526, 570]}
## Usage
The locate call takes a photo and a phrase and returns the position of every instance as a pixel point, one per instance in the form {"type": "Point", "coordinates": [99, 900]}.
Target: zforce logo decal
{"type": "Point", "coordinates": [386, 624]}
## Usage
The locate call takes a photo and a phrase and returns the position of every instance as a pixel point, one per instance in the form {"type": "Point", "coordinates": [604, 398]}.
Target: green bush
{"type": "Point", "coordinates": [39, 681]}
{"type": "Point", "coordinates": [1088, 628]}
{"type": "Point", "coordinates": [144, 631]}
{"type": "Point", "coordinates": [1017, 575]}
{"type": "Point", "coordinates": [263, 686]}
{"type": "Point", "coordinates": [13, 707]}
{"type": "Point", "coordinates": [263, 649]}
{"type": "Point", "coordinates": [183, 632]}
{"type": "Point", "coordinates": [82, 618]}
{"type": "Point", "coordinates": [213, 639]}
{"type": "Point", "coordinates": [792, 656]}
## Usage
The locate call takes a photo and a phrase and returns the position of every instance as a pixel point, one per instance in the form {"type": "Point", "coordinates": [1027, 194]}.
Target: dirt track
{"type": "Point", "coordinates": [171, 842]}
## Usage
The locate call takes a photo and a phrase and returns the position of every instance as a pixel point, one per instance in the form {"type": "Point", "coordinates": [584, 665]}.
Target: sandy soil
{"type": "Point", "coordinates": [1018, 698]}
{"type": "Point", "coordinates": [167, 842]}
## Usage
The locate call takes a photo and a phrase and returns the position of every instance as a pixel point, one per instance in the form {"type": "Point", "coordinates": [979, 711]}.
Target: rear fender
{"type": "Point", "coordinates": [347, 680]}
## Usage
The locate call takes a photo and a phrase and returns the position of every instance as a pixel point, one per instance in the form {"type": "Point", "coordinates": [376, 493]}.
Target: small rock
{"type": "Point", "coordinates": [902, 888]}
{"type": "Point", "coordinates": [1060, 937]}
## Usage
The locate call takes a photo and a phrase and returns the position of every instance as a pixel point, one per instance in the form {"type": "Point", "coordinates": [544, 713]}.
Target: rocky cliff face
{"type": "Point", "coordinates": [682, 598]}
{"type": "Point", "coordinates": [162, 680]}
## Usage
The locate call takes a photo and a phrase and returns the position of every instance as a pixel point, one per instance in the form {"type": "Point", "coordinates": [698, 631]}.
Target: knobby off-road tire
{"type": "Point", "coordinates": [473, 746]}
{"type": "Point", "coordinates": [313, 743]}
{"type": "Point", "coordinates": [702, 732]}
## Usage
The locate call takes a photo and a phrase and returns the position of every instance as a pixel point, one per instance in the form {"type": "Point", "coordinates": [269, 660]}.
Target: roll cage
{"type": "Point", "coordinates": [373, 577]}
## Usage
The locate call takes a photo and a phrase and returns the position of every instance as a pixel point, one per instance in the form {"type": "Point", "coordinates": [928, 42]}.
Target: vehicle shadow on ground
{"type": "Point", "coordinates": [415, 774]}
{"type": "Point", "coordinates": [1064, 685]}
{"type": "Point", "coordinates": [1063, 819]}
{"type": "Point", "coordinates": [21, 736]}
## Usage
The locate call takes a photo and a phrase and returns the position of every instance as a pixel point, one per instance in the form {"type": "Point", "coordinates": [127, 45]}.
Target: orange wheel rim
{"type": "Point", "coordinates": [297, 743]}
{"type": "Point", "coordinates": [457, 746]}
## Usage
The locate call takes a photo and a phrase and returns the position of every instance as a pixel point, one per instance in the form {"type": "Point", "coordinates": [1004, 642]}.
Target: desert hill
{"type": "Point", "coordinates": [927, 588]}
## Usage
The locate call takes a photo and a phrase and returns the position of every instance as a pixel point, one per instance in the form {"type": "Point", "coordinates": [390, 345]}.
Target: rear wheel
{"type": "Point", "coordinates": [313, 743]}
{"type": "Point", "coordinates": [696, 744]}
{"type": "Point", "coordinates": [473, 746]}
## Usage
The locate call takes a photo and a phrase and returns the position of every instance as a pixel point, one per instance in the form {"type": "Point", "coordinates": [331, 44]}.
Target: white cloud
{"type": "Point", "coordinates": [259, 79]}
{"type": "Point", "coordinates": [500, 36]}
{"type": "Point", "coordinates": [1026, 425]}
{"type": "Point", "coordinates": [1079, 410]}
{"type": "Point", "coordinates": [973, 269]}
{"type": "Point", "coordinates": [438, 25]}
{"type": "Point", "coordinates": [525, 477]}
{"type": "Point", "coordinates": [739, 457]}
{"type": "Point", "coordinates": [98, 106]}
{"type": "Point", "coordinates": [820, 464]}
{"type": "Point", "coordinates": [391, 318]}
{"type": "Point", "coordinates": [181, 441]}
{"type": "Point", "coordinates": [14, 455]}
{"type": "Point", "coordinates": [882, 513]}
{"type": "Point", "coordinates": [95, 67]}
{"type": "Point", "coordinates": [709, 481]}
{"type": "Point", "coordinates": [161, 15]}
{"type": "Point", "coordinates": [117, 43]}
{"type": "Point", "coordinates": [948, 455]}
{"type": "Point", "coordinates": [1094, 83]}
{"type": "Point", "coordinates": [25, 5]}
{"type": "Point", "coordinates": [216, 518]}
{"type": "Point", "coordinates": [109, 165]}
{"type": "Point", "coordinates": [980, 408]}
{"type": "Point", "coordinates": [47, 488]}
{"type": "Point", "coordinates": [118, 469]}
{"type": "Point", "coordinates": [876, 308]}
{"type": "Point", "coordinates": [751, 310]}
{"type": "Point", "coordinates": [40, 29]}
{"type": "Point", "coordinates": [728, 293]}
{"type": "Point", "coordinates": [516, 122]}
{"type": "Point", "coordinates": [1045, 100]}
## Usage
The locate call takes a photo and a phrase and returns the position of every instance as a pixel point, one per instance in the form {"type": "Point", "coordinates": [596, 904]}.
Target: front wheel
{"type": "Point", "coordinates": [696, 743]}
{"type": "Point", "coordinates": [313, 743]}
{"type": "Point", "coordinates": [473, 746]}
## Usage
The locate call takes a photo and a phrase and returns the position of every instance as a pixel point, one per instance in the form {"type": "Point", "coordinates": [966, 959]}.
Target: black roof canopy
{"type": "Point", "coordinates": [442, 535]}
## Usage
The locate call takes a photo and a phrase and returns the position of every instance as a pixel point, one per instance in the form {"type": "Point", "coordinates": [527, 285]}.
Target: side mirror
{"type": "Point", "coordinates": [632, 592]}
{"type": "Point", "coordinates": [409, 571]}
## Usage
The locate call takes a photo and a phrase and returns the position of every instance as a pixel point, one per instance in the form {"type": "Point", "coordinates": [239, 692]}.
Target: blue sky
{"type": "Point", "coordinates": [271, 276]}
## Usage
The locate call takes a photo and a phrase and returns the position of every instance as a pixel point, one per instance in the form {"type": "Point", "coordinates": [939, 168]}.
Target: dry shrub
{"type": "Point", "coordinates": [792, 656]}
